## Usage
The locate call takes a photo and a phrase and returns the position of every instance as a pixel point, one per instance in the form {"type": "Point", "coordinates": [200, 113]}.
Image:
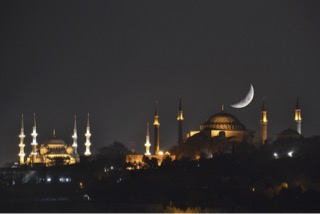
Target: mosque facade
{"type": "Point", "coordinates": [220, 133]}
{"type": "Point", "coordinates": [53, 151]}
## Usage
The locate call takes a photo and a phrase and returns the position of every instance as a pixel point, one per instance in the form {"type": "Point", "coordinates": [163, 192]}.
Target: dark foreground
{"type": "Point", "coordinates": [227, 183]}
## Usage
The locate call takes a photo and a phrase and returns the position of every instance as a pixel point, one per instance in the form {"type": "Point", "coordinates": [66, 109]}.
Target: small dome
{"type": "Point", "coordinates": [289, 133]}
{"type": "Point", "coordinates": [223, 121]}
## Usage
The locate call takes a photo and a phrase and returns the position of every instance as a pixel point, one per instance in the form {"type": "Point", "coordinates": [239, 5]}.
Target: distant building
{"type": "Point", "coordinates": [226, 123]}
{"type": "Point", "coordinates": [263, 124]}
{"type": "Point", "coordinates": [136, 161]}
{"type": "Point", "coordinates": [53, 151]}
{"type": "Point", "coordinates": [288, 134]}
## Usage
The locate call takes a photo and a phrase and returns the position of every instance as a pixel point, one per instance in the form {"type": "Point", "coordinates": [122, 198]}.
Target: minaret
{"type": "Point", "coordinates": [147, 144]}
{"type": "Point", "coordinates": [156, 125]}
{"type": "Point", "coordinates": [297, 116]}
{"type": "Point", "coordinates": [263, 124]}
{"type": "Point", "coordinates": [21, 144]}
{"type": "Point", "coordinates": [88, 135]}
{"type": "Point", "coordinates": [180, 120]}
{"type": "Point", "coordinates": [34, 143]}
{"type": "Point", "coordinates": [75, 136]}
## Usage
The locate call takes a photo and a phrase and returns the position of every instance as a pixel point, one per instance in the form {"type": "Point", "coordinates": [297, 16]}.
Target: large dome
{"type": "Point", "coordinates": [223, 121]}
{"type": "Point", "coordinates": [54, 142]}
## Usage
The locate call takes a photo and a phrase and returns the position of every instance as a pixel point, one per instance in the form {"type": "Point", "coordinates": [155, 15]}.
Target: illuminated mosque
{"type": "Point", "coordinates": [221, 132]}
{"type": "Point", "coordinates": [53, 151]}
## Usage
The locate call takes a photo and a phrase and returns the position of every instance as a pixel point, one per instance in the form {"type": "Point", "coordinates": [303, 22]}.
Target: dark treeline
{"type": "Point", "coordinates": [252, 181]}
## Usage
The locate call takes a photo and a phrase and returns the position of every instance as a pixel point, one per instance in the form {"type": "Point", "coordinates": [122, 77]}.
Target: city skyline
{"type": "Point", "coordinates": [116, 59]}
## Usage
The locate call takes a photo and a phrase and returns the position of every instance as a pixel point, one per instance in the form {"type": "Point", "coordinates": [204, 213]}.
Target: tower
{"type": "Point", "coordinates": [88, 135]}
{"type": "Point", "coordinates": [263, 124]}
{"type": "Point", "coordinates": [75, 136]}
{"type": "Point", "coordinates": [297, 116]}
{"type": "Point", "coordinates": [147, 144]}
{"type": "Point", "coordinates": [156, 125]}
{"type": "Point", "coordinates": [21, 144]}
{"type": "Point", "coordinates": [34, 143]}
{"type": "Point", "coordinates": [180, 120]}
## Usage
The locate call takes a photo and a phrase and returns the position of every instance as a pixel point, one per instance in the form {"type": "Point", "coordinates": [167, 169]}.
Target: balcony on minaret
{"type": "Point", "coordinates": [297, 115]}
{"type": "Point", "coordinates": [34, 143]}
{"type": "Point", "coordinates": [156, 121]}
{"type": "Point", "coordinates": [180, 116]}
{"type": "Point", "coordinates": [74, 137]}
{"type": "Point", "coordinates": [264, 118]}
{"type": "Point", "coordinates": [88, 134]}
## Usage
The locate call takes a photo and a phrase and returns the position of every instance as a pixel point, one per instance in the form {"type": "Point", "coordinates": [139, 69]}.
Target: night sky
{"type": "Point", "coordinates": [114, 59]}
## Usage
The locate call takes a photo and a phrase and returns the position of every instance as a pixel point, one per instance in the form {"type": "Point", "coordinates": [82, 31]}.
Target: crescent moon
{"type": "Point", "coordinates": [246, 101]}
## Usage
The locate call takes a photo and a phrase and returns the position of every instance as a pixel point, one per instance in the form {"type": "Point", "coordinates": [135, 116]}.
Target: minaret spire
{"type": "Point", "coordinates": [34, 143]}
{"type": "Point", "coordinates": [263, 124]}
{"type": "Point", "coordinates": [75, 136]}
{"type": "Point", "coordinates": [297, 116]}
{"type": "Point", "coordinates": [156, 125]}
{"type": "Point", "coordinates": [180, 120]}
{"type": "Point", "coordinates": [147, 144]}
{"type": "Point", "coordinates": [156, 109]}
{"type": "Point", "coordinates": [21, 144]}
{"type": "Point", "coordinates": [88, 135]}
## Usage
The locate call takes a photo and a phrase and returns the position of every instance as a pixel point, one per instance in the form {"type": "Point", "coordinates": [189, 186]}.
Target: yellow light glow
{"type": "Point", "coordinates": [284, 185]}
{"type": "Point", "coordinates": [180, 116]}
{"type": "Point", "coordinates": [264, 117]}
{"type": "Point", "coordinates": [297, 115]}
{"type": "Point", "coordinates": [156, 121]}
{"type": "Point", "coordinates": [81, 185]}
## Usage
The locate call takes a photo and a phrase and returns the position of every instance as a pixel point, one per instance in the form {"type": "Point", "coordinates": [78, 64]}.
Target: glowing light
{"type": "Point", "coordinates": [253, 189]}
{"type": "Point", "coordinates": [86, 197]}
{"type": "Point", "coordinates": [290, 154]}
{"type": "Point", "coordinates": [160, 153]}
{"type": "Point", "coordinates": [275, 155]}
{"type": "Point", "coordinates": [147, 144]}
{"type": "Point", "coordinates": [297, 115]}
{"type": "Point", "coordinates": [88, 135]}
{"type": "Point", "coordinates": [284, 185]}
{"type": "Point", "coordinates": [48, 179]}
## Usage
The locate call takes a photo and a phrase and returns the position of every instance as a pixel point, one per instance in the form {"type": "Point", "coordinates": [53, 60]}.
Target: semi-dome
{"type": "Point", "coordinates": [223, 121]}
